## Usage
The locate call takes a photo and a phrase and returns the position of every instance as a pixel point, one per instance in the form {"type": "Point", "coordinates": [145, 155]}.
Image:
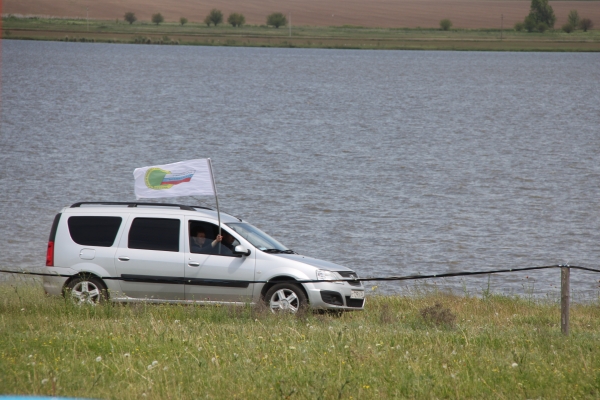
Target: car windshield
{"type": "Point", "coordinates": [258, 238]}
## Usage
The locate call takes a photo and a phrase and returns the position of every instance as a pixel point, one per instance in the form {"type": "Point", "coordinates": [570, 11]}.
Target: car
{"type": "Point", "coordinates": [171, 253]}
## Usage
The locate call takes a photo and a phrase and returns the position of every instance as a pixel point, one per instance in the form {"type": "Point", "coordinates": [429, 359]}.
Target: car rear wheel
{"type": "Point", "coordinates": [86, 290]}
{"type": "Point", "coordinates": [286, 297]}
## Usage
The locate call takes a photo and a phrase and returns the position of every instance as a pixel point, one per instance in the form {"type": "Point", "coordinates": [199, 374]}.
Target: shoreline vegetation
{"type": "Point", "coordinates": [426, 344]}
{"type": "Point", "coordinates": [333, 37]}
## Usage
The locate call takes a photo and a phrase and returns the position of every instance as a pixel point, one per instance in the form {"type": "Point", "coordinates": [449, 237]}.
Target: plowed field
{"type": "Point", "coordinates": [368, 13]}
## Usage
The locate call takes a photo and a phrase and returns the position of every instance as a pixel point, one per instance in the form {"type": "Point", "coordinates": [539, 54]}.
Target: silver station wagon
{"type": "Point", "coordinates": [130, 252]}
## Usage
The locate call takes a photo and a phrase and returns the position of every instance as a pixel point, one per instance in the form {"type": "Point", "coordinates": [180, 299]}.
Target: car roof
{"type": "Point", "coordinates": [148, 208]}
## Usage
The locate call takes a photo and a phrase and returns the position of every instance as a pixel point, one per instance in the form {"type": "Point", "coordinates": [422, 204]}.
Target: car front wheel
{"type": "Point", "coordinates": [286, 297]}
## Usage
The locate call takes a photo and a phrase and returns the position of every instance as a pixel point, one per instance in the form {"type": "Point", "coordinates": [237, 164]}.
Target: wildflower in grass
{"type": "Point", "coordinates": [199, 348]}
{"type": "Point", "coordinates": [165, 368]}
{"type": "Point", "coordinates": [514, 365]}
{"type": "Point", "coordinates": [98, 359]}
{"type": "Point", "coordinates": [126, 355]}
{"type": "Point", "coordinates": [292, 348]}
{"type": "Point", "coordinates": [154, 363]}
{"type": "Point", "coordinates": [44, 381]}
{"type": "Point", "coordinates": [176, 321]}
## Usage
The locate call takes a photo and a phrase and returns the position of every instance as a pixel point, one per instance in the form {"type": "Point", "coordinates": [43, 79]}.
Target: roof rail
{"type": "Point", "coordinates": [134, 204]}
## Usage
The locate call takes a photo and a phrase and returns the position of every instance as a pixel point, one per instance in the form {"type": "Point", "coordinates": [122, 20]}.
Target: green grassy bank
{"type": "Point", "coordinates": [342, 37]}
{"type": "Point", "coordinates": [491, 347]}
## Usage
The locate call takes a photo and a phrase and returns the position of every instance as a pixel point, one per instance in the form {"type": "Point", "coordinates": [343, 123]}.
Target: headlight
{"type": "Point", "coordinates": [324, 275]}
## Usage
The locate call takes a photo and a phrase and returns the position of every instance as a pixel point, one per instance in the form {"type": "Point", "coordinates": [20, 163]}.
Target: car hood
{"type": "Point", "coordinates": [314, 262]}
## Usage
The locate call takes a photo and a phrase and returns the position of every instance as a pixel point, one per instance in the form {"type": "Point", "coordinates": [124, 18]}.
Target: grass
{"type": "Point", "coordinates": [495, 347]}
{"type": "Point", "coordinates": [343, 37]}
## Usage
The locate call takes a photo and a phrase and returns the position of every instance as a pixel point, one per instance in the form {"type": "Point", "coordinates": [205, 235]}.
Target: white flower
{"type": "Point", "coordinates": [44, 381]}
{"type": "Point", "coordinates": [149, 367]}
{"type": "Point", "coordinates": [165, 368]}
{"type": "Point", "coordinates": [515, 365]}
{"type": "Point", "coordinates": [126, 355]}
{"type": "Point", "coordinates": [292, 348]}
{"type": "Point", "coordinates": [154, 363]}
{"type": "Point", "coordinates": [98, 359]}
{"type": "Point", "coordinates": [199, 348]}
{"type": "Point", "coordinates": [176, 321]}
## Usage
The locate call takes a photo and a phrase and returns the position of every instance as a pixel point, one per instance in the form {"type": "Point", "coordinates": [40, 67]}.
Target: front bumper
{"type": "Point", "coordinates": [334, 296]}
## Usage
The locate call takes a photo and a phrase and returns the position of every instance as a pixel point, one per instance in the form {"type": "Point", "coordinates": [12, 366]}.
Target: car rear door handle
{"type": "Point", "coordinates": [123, 258]}
{"type": "Point", "coordinates": [193, 263]}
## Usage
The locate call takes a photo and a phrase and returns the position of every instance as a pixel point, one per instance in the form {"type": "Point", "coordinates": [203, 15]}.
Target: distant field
{"type": "Point", "coordinates": [305, 37]}
{"type": "Point", "coordinates": [372, 13]}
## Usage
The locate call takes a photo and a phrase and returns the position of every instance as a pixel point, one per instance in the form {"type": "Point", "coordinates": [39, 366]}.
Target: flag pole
{"type": "Point", "coordinates": [216, 197]}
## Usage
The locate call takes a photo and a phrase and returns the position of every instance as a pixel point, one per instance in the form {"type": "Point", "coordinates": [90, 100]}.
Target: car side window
{"type": "Point", "coordinates": [202, 237]}
{"type": "Point", "coordinates": [94, 231]}
{"type": "Point", "coordinates": [154, 234]}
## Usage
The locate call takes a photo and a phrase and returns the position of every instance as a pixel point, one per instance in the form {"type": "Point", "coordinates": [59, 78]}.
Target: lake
{"type": "Point", "coordinates": [388, 162]}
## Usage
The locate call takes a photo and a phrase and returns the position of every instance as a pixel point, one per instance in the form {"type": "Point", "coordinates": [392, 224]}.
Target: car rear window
{"type": "Point", "coordinates": [94, 231]}
{"type": "Point", "coordinates": [154, 234]}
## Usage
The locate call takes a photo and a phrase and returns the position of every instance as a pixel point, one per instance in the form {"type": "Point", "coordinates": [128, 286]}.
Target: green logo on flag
{"type": "Point", "coordinates": [154, 179]}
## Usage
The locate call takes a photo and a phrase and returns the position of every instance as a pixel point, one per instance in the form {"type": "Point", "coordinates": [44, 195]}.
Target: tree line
{"type": "Point", "coordinates": [215, 17]}
{"type": "Point", "coordinates": [541, 18]}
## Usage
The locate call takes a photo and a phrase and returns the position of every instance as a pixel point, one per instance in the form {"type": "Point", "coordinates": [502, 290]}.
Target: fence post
{"type": "Point", "coordinates": [565, 273]}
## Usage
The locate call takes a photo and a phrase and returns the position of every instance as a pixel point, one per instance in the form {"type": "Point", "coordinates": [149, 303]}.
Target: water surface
{"type": "Point", "coordinates": [388, 162]}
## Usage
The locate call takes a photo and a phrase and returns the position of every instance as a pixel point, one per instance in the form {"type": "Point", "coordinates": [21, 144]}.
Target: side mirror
{"type": "Point", "coordinates": [239, 249]}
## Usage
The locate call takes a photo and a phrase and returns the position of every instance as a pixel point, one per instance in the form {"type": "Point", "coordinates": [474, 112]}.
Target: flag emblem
{"type": "Point", "coordinates": [158, 178]}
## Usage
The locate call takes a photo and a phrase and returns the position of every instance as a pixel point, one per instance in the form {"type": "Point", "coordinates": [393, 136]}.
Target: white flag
{"type": "Point", "coordinates": [185, 178]}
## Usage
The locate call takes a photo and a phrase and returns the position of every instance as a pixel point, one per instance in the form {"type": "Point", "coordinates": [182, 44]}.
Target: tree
{"type": "Point", "coordinates": [573, 18]}
{"type": "Point", "coordinates": [236, 19]}
{"type": "Point", "coordinates": [530, 23]}
{"type": "Point", "coordinates": [215, 16]}
{"type": "Point", "coordinates": [519, 26]}
{"type": "Point", "coordinates": [157, 18]}
{"type": "Point", "coordinates": [276, 19]}
{"type": "Point", "coordinates": [183, 21]}
{"type": "Point", "coordinates": [445, 24]}
{"type": "Point", "coordinates": [130, 17]}
{"type": "Point", "coordinates": [542, 27]}
{"type": "Point", "coordinates": [586, 24]}
{"type": "Point", "coordinates": [568, 28]}
{"type": "Point", "coordinates": [541, 11]}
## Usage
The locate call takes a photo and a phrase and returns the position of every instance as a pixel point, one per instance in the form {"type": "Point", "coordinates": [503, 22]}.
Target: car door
{"type": "Point", "coordinates": [150, 258]}
{"type": "Point", "coordinates": [215, 273]}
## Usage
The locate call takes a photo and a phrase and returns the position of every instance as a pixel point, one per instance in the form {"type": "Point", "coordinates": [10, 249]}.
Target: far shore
{"type": "Point", "coordinates": [334, 37]}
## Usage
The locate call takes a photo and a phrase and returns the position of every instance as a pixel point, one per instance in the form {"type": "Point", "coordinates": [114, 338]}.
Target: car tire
{"type": "Point", "coordinates": [286, 297]}
{"type": "Point", "coordinates": [86, 290]}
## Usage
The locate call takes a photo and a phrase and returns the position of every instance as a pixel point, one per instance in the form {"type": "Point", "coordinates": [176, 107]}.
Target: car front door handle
{"type": "Point", "coordinates": [193, 263]}
{"type": "Point", "coordinates": [123, 258]}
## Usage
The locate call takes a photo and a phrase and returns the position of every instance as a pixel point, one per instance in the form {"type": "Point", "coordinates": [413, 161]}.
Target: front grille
{"type": "Point", "coordinates": [357, 303]}
{"type": "Point", "coordinates": [350, 274]}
